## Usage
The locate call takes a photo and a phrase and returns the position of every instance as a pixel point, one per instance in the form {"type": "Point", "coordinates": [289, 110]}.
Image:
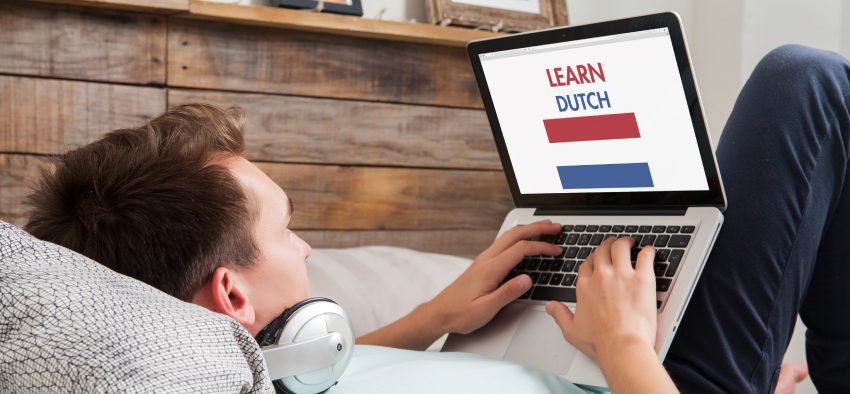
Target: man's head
{"type": "Point", "coordinates": [174, 204]}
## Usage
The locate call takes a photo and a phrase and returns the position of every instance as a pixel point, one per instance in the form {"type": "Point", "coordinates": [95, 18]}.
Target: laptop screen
{"type": "Point", "coordinates": [603, 114]}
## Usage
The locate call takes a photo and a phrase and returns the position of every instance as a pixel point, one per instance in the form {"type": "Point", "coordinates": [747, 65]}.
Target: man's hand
{"type": "Point", "coordinates": [615, 318]}
{"type": "Point", "coordinates": [615, 302]}
{"type": "Point", "coordinates": [476, 295]}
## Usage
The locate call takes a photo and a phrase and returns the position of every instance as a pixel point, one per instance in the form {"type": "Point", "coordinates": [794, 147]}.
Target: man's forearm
{"type": "Point", "coordinates": [415, 331]}
{"type": "Point", "coordinates": [632, 366]}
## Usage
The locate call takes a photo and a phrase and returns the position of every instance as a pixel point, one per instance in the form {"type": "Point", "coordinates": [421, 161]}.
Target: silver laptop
{"type": "Point", "coordinates": [599, 127]}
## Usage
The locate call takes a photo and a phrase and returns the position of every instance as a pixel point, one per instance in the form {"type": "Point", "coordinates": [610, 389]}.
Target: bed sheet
{"type": "Point", "coordinates": [377, 370]}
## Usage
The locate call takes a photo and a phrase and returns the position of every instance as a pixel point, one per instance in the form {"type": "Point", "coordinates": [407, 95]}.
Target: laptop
{"type": "Point", "coordinates": [599, 127]}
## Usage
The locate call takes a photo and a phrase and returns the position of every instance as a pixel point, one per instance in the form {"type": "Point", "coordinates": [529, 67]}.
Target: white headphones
{"type": "Point", "coordinates": [308, 347]}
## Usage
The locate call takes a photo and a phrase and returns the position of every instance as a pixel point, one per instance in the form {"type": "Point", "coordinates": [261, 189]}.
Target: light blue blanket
{"type": "Point", "coordinates": [376, 369]}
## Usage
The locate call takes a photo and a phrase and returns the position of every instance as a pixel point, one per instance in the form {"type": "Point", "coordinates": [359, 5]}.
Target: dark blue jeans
{"type": "Point", "coordinates": [785, 245]}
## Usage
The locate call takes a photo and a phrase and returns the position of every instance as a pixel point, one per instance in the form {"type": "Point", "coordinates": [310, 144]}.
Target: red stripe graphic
{"type": "Point", "coordinates": [592, 128]}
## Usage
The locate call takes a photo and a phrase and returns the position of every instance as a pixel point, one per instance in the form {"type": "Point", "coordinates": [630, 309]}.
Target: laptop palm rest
{"type": "Point", "coordinates": [538, 342]}
{"type": "Point", "coordinates": [521, 333]}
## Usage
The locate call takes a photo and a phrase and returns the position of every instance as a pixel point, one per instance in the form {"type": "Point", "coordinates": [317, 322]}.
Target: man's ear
{"type": "Point", "coordinates": [226, 295]}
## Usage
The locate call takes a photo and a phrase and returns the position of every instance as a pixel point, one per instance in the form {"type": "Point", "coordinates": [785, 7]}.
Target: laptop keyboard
{"type": "Point", "coordinates": [554, 278]}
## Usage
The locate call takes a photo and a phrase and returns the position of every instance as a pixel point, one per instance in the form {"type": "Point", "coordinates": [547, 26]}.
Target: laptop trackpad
{"type": "Point", "coordinates": [538, 342]}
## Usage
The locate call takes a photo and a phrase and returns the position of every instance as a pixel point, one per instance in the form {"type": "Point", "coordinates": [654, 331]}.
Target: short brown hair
{"type": "Point", "coordinates": [150, 202]}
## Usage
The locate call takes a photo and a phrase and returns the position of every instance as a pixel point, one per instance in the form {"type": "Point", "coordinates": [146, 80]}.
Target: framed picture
{"type": "Point", "coordinates": [499, 15]}
{"type": "Point", "coordinates": [349, 7]}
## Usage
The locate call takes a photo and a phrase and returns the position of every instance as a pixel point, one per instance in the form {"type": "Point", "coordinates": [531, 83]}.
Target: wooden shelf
{"type": "Point", "coordinates": [295, 19]}
{"type": "Point", "coordinates": [334, 24]}
{"type": "Point", "coordinates": [155, 6]}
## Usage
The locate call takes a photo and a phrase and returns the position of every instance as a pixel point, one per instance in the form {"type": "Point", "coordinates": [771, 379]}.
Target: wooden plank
{"type": "Point", "coordinates": [48, 116]}
{"type": "Point", "coordinates": [18, 175]}
{"type": "Point", "coordinates": [336, 24]}
{"type": "Point", "coordinates": [374, 198]}
{"type": "Point", "coordinates": [466, 243]}
{"type": "Point", "coordinates": [242, 58]}
{"type": "Point", "coordinates": [155, 6]}
{"type": "Point", "coordinates": [340, 198]}
{"type": "Point", "coordinates": [81, 43]}
{"type": "Point", "coordinates": [311, 130]}
{"type": "Point", "coordinates": [53, 116]}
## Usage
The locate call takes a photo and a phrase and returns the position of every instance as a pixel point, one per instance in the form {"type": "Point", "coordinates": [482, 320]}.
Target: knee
{"type": "Point", "coordinates": [798, 64]}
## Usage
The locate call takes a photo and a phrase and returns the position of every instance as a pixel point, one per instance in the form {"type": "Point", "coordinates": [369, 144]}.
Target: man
{"type": "Point", "coordinates": [174, 204]}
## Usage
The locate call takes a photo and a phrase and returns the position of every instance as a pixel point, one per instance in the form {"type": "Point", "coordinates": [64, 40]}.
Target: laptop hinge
{"type": "Point", "coordinates": [611, 212]}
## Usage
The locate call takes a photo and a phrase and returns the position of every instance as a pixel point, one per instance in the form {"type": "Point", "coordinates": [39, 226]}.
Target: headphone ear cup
{"type": "Point", "coordinates": [308, 320]}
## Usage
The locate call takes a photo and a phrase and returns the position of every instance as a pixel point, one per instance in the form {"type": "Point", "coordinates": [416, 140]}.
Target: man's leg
{"type": "Point", "coordinates": [783, 156]}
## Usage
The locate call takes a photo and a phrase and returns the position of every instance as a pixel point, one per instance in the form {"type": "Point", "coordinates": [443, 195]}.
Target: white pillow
{"type": "Point", "coordinates": [69, 324]}
{"type": "Point", "coordinates": [378, 284]}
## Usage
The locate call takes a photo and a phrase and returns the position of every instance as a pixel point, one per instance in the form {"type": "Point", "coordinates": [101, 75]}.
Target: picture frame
{"type": "Point", "coordinates": [499, 15]}
{"type": "Point", "coordinates": [347, 7]}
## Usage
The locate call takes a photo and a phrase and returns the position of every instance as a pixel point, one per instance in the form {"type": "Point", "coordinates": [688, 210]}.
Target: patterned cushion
{"type": "Point", "coordinates": [68, 324]}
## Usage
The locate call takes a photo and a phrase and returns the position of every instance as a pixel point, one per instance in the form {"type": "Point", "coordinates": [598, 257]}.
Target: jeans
{"type": "Point", "coordinates": [785, 244]}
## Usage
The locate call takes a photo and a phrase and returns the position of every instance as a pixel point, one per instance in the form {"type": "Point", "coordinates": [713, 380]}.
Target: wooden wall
{"type": "Point", "coordinates": [376, 141]}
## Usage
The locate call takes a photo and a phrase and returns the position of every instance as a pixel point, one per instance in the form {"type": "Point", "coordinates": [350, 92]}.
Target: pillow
{"type": "Point", "coordinates": [69, 324]}
{"type": "Point", "coordinates": [378, 284]}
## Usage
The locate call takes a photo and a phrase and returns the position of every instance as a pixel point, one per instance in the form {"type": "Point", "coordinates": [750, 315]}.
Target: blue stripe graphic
{"type": "Point", "coordinates": [600, 176]}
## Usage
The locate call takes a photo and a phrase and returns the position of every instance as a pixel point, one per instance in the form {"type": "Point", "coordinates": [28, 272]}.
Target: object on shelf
{"type": "Point", "coordinates": [348, 7]}
{"type": "Point", "coordinates": [499, 15]}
